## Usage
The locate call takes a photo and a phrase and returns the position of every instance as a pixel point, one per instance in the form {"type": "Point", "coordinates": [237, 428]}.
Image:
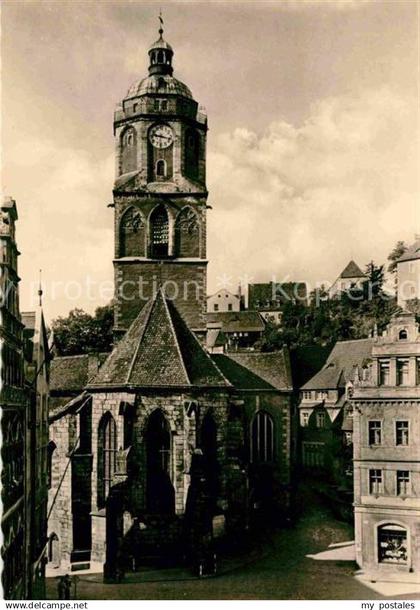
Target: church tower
{"type": "Point", "coordinates": [160, 195]}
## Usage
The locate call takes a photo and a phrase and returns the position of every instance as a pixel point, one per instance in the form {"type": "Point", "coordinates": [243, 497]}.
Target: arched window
{"type": "Point", "coordinates": [187, 233]}
{"type": "Point", "coordinates": [208, 445]}
{"type": "Point", "coordinates": [262, 438]}
{"type": "Point", "coordinates": [160, 57]}
{"type": "Point", "coordinates": [159, 233]}
{"type": "Point", "coordinates": [107, 450]}
{"type": "Point", "coordinates": [392, 544]}
{"type": "Point", "coordinates": [159, 490]}
{"type": "Point", "coordinates": [54, 550]}
{"type": "Point", "coordinates": [160, 168]}
{"type": "Point", "coordinates": [132, 233]}
{"type": "Point", "coordinates": [403, 336]}
{"type": "Point", "coordinates": [128, 150]}
{"type": "Point", "coordinates": [50, 452]}
{"type": "Point", "coordinates": [192, 150]}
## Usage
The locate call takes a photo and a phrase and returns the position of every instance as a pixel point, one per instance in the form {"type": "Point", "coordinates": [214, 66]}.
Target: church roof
{"type": "Point", "coordinates": [341, 365]}
{"type": "Point", "coordinates": [159, 83]}
{"type": "Point", "coordinates": [412, 253]}
{"type": "Point", "coordinates": [352, 270]}
{"type": "Point", "coordinates": [237, 321]}
{"type": "Point", "coordinates": [158, 350]}
{"type": "Point", "coordinates": [256, 371]}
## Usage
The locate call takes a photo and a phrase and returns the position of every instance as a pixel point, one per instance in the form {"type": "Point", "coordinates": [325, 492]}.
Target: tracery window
{"type": "Point", "coordinates": [262, 438]}
{"type": "Point", "coordinates": [107, 451]}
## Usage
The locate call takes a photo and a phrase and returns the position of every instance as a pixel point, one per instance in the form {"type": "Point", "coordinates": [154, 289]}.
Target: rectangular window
{"type": "Point", "coordinates": [384, 377]}
{"type": "Point", "coordinates": [164, 105]}
{"type": "Point", "coordinates": [304, 419]}
{"type": "Point", "coordinates": [307, 394]}
{"type": "Point", "coordinates": [216, 307]}
{"type": "Point", "coordinates": [134, 107]}
{"type": "Point", "coordinates": [230, 306]}
{"type": "Point", "coordinates": [320, 420]}
{"type": "Point", "coordinates": [375, 432]}
{"type": "Point", "coordinates": [418, 371]}
{"type": "Point", "coordinates": [401, 432]}
{"type": "Point", "coordinates": [402, 371]}
{"type": "Point", "coordinates": [403, 482]}
{"type": "Point", "coordinates": [375, 481]}
{"type": "Point", "coordinates": [322, 395]}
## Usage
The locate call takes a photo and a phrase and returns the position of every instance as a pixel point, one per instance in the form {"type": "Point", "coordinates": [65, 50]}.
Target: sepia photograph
{"type": "Point", "coordinates": [210, 302]}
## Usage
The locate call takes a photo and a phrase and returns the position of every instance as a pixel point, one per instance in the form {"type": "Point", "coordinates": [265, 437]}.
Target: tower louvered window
{"type": "Point", "coordinates": [159, 233]}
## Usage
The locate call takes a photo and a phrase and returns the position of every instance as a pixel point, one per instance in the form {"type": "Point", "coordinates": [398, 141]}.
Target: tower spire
{"type": "Point", "coordinates": [40, 291]}
{"type": "Point", "coordinates": [161, 23]}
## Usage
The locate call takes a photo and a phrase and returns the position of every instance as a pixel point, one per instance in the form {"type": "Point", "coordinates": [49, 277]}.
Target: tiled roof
{"type": "Point", "coordinates": [306, 361]}
{"type": "Point", "coordinates": [271, 367]}
{"type": "Point", "coordinates": [237, 321]}
{"type": "Point", "coordinates": [341, 363]}
{"type": "Point", "coordinates": [271, 295]}
{"type": "Point", "coordinates": [71, 373]}
{"type": "Point", "coordinates": [153, 84]}
{"type": "Point", "coordinates": [158, 350]}
{"type": "Point", "coordinates": [62, 406]}
{"type": "Point", "coordinates": [240, 376]}
{"type": "Point", "coordinates": [352, 270]}
{"type": "Point", "coordinates": [412, 253]}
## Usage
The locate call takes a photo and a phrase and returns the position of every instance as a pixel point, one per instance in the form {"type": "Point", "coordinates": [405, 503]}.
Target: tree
{"type": "Point", "coordinates": [376, 277]}
{"type": "Point", "coordinates": [399, 249]}
{"type": "Point", "coordinates": [81, 333]}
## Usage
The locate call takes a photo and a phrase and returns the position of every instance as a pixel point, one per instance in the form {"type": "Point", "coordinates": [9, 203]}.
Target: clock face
{"type": "Point", "coordinates": [161, 136]}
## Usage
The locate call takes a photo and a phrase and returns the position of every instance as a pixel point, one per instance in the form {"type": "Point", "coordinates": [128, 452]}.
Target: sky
{"type": "Point", "coordinates": [312, 152]}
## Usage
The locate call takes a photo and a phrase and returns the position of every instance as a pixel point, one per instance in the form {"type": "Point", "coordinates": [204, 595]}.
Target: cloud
{"type": "Point", "coordinates": [64, 225]}
{"type": "Point", "coordinates": [335, 5]}
{"type": "Point", "coordinates": [300, 202]}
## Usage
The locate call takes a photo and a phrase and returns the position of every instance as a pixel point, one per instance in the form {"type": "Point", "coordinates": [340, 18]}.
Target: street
{"type": "Point", "coordinates": [281, 571]}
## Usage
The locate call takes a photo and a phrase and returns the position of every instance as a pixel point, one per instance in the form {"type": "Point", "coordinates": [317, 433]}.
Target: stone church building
{"type": "Point", "coordinates": [158, 438]}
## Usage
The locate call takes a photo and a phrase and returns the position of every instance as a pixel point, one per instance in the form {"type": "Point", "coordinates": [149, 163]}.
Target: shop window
{"type": "Point", "coordinates": [392, 544]}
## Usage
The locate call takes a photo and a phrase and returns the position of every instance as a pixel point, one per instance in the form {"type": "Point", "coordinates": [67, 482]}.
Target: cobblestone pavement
{"type": "Point", "coordinates": [281, 571]}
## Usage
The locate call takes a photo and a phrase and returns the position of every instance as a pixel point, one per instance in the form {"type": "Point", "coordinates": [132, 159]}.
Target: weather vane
{"type": "Point", "coordinates": [161, 22]}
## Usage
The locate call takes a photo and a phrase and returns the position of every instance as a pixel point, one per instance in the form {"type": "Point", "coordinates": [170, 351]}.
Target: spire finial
{"type": "Point", "coordinates": [40, 292]}
{"type": "Point", "coordinates": [161, 23]}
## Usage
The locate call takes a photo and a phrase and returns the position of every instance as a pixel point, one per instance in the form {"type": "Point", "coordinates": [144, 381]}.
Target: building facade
{"type": "Point", "coordinates": [14, 406]}
{"type": "Point", "coordinates": [386, 402]}
{"type": "Point", "coordinates": [269, 298]}
{"type": "Point", "coordinates": [408, 275]}
{"type": "Point", "coordinates": [160, 195]}
{"type": "Point", "coordinates": [326, 414]}
{"type": "Point", "coordinates": [224, 300]}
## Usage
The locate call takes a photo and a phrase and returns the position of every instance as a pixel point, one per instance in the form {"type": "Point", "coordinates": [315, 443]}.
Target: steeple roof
{"type": "Point", "coordinates": [158, 350]}
{"type": "Point", "coordinates": [352, 270]}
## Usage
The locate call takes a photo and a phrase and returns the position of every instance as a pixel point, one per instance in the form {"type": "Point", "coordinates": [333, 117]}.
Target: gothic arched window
{"type": "Point", "coordinates": [107, 450]}
{"type": "Point", "coordinates": [50, 453]}
{"type": "Point", "coordinates": [128, 151]}
{"type": "Point", "coordinates": [192, 152]}
{"type": "Point", "coordinates": [132, 233]}
{"type": "Point", "coordinates": [187, 231]}
{"type": "Point", "coordinates": [159, 232]}
{"type": "Point", "coordinates": [208, 445]}
{"type": "Point", "coordinates": [262, 438]}
{"type": "Point", "coordinates": [160, 491]}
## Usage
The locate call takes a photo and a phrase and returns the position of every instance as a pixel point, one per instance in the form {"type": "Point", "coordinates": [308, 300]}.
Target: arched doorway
{"type": "Point", "coordinates": [160, 494]}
